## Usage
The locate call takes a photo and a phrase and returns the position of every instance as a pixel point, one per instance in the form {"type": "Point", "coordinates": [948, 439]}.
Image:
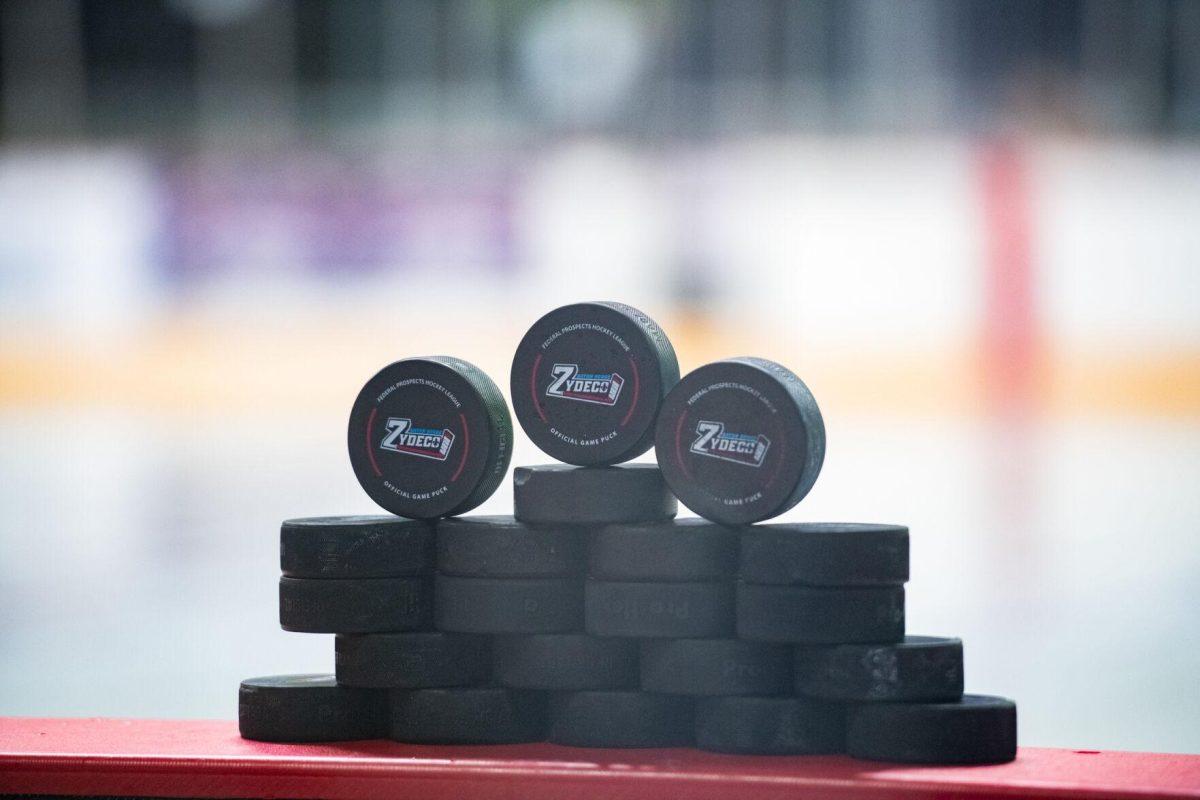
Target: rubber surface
{"type": "Point", "coordinates": [769, 726]}
{"type": "Point", "coordinates": [566, 662]}
{"type": "Point", "coordinates": [803, 614]}
{"type": "Point", "coordinates": [825, 554]}
{"type": "Point", "coordinates": [412, 660]}
{"type": "Point", "coordinates": [307, 708]}
{"type": "Point", "coordinates": [976, 730]}
{"type": "Point", "coordinates": [483, 715]}
{"type": "Point", "coordinates": [555, 494]}
{"type": "Point", "coordinates": [920, 668]}
{"type": "Point", "coordinates": [658, 610]}
{"type": "Point", "coordinates": [508, 605]}
{"type": "Point", "coordinates": [621, 719]}
{"type": "Point", "coordinates": [674, 550]}
{"type": "Point", "coordinates": [376, 546]}
{"type": "Point", "coordinates": [503, 547]}
{"type": "Point", "coordinates": [360, 605]}
{"type": "Point", "coordinates": [715, 667]}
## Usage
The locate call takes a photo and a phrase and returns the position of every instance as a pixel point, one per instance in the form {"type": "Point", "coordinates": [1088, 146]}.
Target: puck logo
{"type": "Point", "coordinates": [569, 383]}
{"type": "Point", "coordinates": [402, 437]}
{"type": "Point", "coordinates": [740, 448]}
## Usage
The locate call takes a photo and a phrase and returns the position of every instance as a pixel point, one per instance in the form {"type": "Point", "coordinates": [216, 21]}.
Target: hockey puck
{"type": "Point", "coordinates": [430, 437]}
{"type": "Point", "coordinates": [974, 730]}
{"type": "Point", "coordinates": [587, 381]}
{"type": "Point", "coordinates": [920, 668]}
{"type": "Point", "coordinates": [674, 550]}
{"type": "Point", "coordinates": [308, 708]}
{"type": "Point", "coordinates": [825, 554]}
{"type": "Point", "coordinates": [355, 547]}
{"type": "Point", "coordinates": [803, 614]}
{"type": "Point", "coordinates": [508, 605]}
{"type": "Point", "coordinates": [565, 662]}
{"type": "Point", "coordinates": [740, 440]}
{"type": "Point", "coordinates": [773, 726]}
{"type": "Point", "coordinates": [503, 547]}
{"type": "Point", "coordinates": [359, 605]}
{"type": "Point", "coordinates": [658, 610]}
{"type": "Point", "coordinates": [715, 667]}
{"type": "Point", "coordinates": [621, 719]}
{"type": "Point", "coordinates": [557, 494]}
{"type": "Point", "coordinates": [411, 660]}
{"type": "Point", "coordinates": [482, 715]}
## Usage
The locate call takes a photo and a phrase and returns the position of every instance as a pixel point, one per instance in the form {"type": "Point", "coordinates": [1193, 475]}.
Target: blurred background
{"type": "Point", "coordinates": [973, 228]}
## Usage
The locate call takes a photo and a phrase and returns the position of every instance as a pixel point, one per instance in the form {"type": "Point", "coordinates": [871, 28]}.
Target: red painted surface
{"type": "Point", "coordinates": [209, 759]}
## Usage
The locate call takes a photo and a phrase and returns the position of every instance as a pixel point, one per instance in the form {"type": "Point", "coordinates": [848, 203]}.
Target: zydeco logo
{"type": "Point", "coordinates": [571, 384]}
{"type": "Point", "coordinates": [402, 437]}
{"type": "Point", "coordinates": [740, 448]}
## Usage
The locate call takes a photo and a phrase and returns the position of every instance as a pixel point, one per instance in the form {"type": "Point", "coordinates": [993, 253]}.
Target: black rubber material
{"type": "Point", "coordinates": [674, 550]}
{"type": "Point", "coordinates": [715, 667]}
{"type": "Point", "coordinates": [508, 605]}
{"type": "Point", "coordinates": [587, 380]}
{"type": "Point", "coordinates": [360, 605]}
{"type": "Point", "coordinates": [308, 708]}
{"type": "Point", "coordinates": [773, 726]}
{"type": "Point", "coordinates": [621, 719]}
{"type": "Point", "coordinates": [412, 660]}
{"type": "Point", "coordinates": [740, 440]}
{"type": "Point", "coordinates": [825, 554]}
{"type": "Point", "coordinates": [566, 662]}
{"type": "Point", "coordinates": [482, 715]}
{"type": "Point", "coordinates": [557, 494]}
{"type": "Point", "coordinates": [503, 547]}
{"type": "Point", "coordinates": [920, 668]}
{"type": "Point", "coordinates": [803, 614]}
{"type": "Point", "coordinates": [976, 730]}
{"type": "Point", "coordinates": [430, 437]}
{"type": "Point", "coordinates": [658, 610]}
{"type": "Point", "coordinates": [375, 546]}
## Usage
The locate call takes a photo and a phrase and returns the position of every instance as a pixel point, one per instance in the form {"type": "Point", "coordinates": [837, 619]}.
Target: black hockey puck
{"type": "Point", "coordinates": [658, 610]}
{"type": "Point", "coordinates": [587, 381]}
{"type": "Point", "coordinates": [773, 726]}
{"type": "Point", "coordinates": [803, 614]}
{"type": "Point", "coordinates": [430, 437]}
{"type": "Point", "coordinates": [621, 719]}
{"type": "Point", "coordinates": [974, 730]}
{"type": "Point", "coordinates": [566, 662]}
{"type": "Point", "coordinates": [412, 660]}
{"type": "Point", "coordinates": [308, 708]}
{"type": "Point", "coordinates": [825, 554]}
{"type": "Point", "coordinates": [920, 668]}
{"type": "Point", "coordinates": [508, 605]}
{"type": "Point", "coordinates": [556, 494]}
{"type": "Point", "coordinates": [355, 547]}
{"type": "Point", "coordinates": [673, 550]}
{"type": "Point", "coordinates": [503, 547]}
{"type": "Point", "coordinates": [359, 605]}
{"type": "Point", "coordinates": [482, 715]}
{"type": "Point", "coordinates": [740, 440]}
{"type": "Point", "coordinates": [715, 667]}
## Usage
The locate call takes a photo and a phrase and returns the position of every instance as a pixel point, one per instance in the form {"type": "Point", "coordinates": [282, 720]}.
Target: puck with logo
{"type": "Point", "coordinates": [825, 554]}
{"type": "Point", "coordinates": [504, 547]}
{"type": "Point", "coordinates": [715, 667]}
{"type": "Point", "coordinates": [566, 662]}
{"type": "Point", "coordinates": [555, 494]}
{"type": "Point", "coordinates": [621, 719]}
{"type": "Point", "coordinates": [658, 610]}
{"type": "Point", "coordinates": [411, 660]}
{"type": "Point", "coordinates": [919, 668]}
{"type": "Point", "coordinates": [974, 730]}
{"type": "Point", "coordinates": [355, 605]}
{"type": "Point", "coordinates": [308, 708]}
{"type": "Point", "coordinates": [477, 715]}
{"type": "Point", "coordinates": [375, 546]}
{"type": "Point", "coordinates": [673, 550]}
{"type": "Point", "coordinates": [740, 440]}
{"type": "Point", "coordinates": [805, 615]}
{"type": "Point", "coordinates": [770, 726]}
{"type": "Point", "coordinates": [588, 379]}
{"type": "Point", "coordinates": [508, 605]}
{"type": "Point", "coordinates": [430, 437]}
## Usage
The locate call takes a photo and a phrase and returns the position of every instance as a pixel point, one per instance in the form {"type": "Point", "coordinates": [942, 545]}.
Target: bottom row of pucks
{"type": "Point", "coordinates": [309, 708]}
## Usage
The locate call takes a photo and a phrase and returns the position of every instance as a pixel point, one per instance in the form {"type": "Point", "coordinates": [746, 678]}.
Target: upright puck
{"type": "Point", "coordinates": [672, 550]}
{"type": "Point", "coordinates": [355, 547]}
{"type": "Point", "coordinates": [587, 381]}
{"type": "Point", "coordinates": [481, 715]}
{"type": "Point", "coordinates": [825, 554]}
{"type": "Point", "coordinates": [974, 730]}
{"type": "Point", "coordinates": [430, 437]}
{"type": "Point", "coordinates": [308, 708]}
{"type": "Point", "coordinates": [772, 726]}
{"type": "Point", "coordinates": [740, 440]}
{"type": "Point", "coordinates": [715, 667]}
{"type": "Point", "coordinates": [919, 668]}
{"type": "Point", "coordinates": [621, 719]}
{"type": "Point", "coordinates": [508, 605]}
{"type": "Point", "coordinates": [803, 614]}
{"type": "Point", "coordinates": [566, 662]}
{"type": "Point", "coordinates": [658, 610]}
{"type": "Point", "coordinates": [555, 494]}
{"type": "Point", "coordinates": [411, 660]}
{"type": "Point", "coordinates": [360, 605]}
{"type": "Point", "coordinates": [503, 547]}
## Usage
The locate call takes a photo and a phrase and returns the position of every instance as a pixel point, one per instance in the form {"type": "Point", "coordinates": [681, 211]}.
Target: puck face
{"type": "Point", "coordinates": [429, 437]}
{"type": "Point", "coordinates": [740, 440]}
{"type": "Point", "coordinates": [588, 379]}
